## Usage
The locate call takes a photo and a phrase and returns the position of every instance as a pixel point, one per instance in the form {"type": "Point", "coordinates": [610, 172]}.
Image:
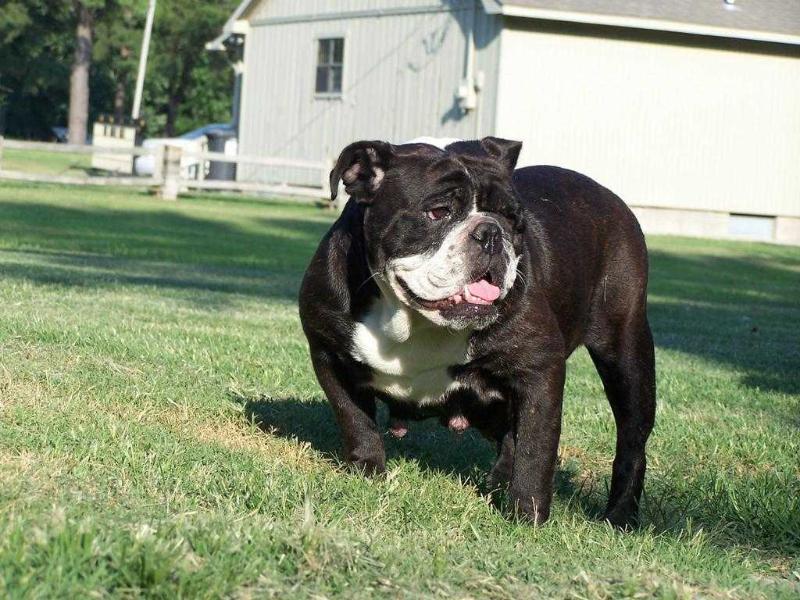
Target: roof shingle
{"type": "Point", "coordinates": [773, 16]}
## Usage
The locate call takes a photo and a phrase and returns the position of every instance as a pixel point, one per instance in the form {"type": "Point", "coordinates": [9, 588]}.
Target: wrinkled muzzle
{"type": "Point", "coordinates": [464, 278]}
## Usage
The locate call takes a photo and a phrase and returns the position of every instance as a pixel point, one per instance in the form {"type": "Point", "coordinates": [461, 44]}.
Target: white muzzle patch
{"type": "Point", "coordinates": [446, 271]}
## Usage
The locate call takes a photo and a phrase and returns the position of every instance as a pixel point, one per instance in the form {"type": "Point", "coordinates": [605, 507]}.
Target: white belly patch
{"type": "Point", "coordinates": [409, 355]}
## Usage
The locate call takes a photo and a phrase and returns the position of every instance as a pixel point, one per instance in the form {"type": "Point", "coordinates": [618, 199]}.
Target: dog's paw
{"type": "Point", "coordinates": [369, 465]}
{"type": "Point", "coordinates": [525, 508]}
{"type": "Point", "coordinates": [498, 478]}
{"type": "Point", "coordinates": [624, 518]}
{"type": "Point", "coordinates": [370, 468]}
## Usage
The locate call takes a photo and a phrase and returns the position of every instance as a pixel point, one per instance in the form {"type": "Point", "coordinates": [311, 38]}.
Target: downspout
{"type": "Point", "coordinates": [231, 44]}
{"type": "Point", "coordinates": [471, 83]}
{"type": "Point", "coordinates": [469, 62]}
{"type": "Point", "coordinates": [477, 76]}
{"type": "Point", "coordinates": [236, 109]}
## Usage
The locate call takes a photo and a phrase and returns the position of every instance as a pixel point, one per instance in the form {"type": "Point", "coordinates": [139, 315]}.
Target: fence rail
{"type": "Point", "coordinates": [78, 179]}
{"type": "Point", "coordinates": [266, 161]}
{"type": "Point", "coordinates": [168, 176]}
{"type": "Point", "coordinates": [74, 148]}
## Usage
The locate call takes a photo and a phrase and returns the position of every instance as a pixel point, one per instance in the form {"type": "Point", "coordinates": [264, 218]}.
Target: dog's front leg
{"type": "Point", "coordinates": [537, 427]}
{"type": "Point", "coordinates": [355, 411]}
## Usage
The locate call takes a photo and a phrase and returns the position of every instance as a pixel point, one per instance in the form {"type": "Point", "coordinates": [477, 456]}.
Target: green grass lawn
{"type": "Point", "coordinates": [162, 433]}
{"type": "Point", "coordinates": [47, 163]}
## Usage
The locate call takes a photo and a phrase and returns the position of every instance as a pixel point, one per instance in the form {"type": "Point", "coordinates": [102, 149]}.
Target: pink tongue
{"type": "Point", "coordinates": [484, 290]}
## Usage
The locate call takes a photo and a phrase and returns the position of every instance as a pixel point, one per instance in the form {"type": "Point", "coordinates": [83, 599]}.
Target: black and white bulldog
{"type": "Point", "coordinates": [455, 286]}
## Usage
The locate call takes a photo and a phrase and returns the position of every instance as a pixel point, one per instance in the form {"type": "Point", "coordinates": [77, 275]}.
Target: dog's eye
{"type": "Point", "coordinates": [438, 213]}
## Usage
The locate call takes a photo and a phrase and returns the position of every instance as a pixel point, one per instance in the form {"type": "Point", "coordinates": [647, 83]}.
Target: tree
{"type": "Point", "coordinates": [34, 54]}
{"type": "Point", "coordinates": [118, 37]}
{"type": "Point", "coordinates": [181, 66]}
{"type": "Point", "coordinates": [186, 86]}
{"type": "Point", "coordinates": [115, 21]}
{"type": "Point", "coordinates": [79, 74]}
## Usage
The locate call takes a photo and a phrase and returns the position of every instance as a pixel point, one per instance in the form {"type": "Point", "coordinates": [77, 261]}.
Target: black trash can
{"type": "Point", "coordinates": [217, 139]}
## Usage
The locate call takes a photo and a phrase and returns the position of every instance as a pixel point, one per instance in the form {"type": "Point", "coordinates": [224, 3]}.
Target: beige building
{"type": "Point", "coordinates": [688, 109]}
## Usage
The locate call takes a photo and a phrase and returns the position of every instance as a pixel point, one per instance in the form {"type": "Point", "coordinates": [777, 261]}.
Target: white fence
{"type": "Point", "coordinates": [168, 178]}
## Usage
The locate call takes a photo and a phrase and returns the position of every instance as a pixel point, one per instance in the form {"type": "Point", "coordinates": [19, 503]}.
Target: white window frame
{"type": "Point", "coordinates": [338, 35]}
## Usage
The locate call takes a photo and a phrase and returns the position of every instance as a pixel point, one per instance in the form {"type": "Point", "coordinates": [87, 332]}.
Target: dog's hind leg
{"type": "Point", "coordinates": [500, 474]}
{"type": "Point", "coordinates": [492, 419]}
{"type": "Point", "coordinates": [625, 362]}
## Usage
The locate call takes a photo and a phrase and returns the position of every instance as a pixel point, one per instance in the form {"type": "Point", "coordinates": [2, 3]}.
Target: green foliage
{"type": "Point", "coordinates": [186, 86]}
{"type": "Point", "coordinates": [208, 95]}
{"type": "Point", "coordinates": [117, 39]}
{"type": "Point", "coordinates": [35, 53]}
{"type": "Point", "coordinates": [144, 342]}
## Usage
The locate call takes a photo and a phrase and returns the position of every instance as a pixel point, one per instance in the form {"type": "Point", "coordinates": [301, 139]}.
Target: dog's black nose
{"type": "Point", "coordinates": [489, 236]}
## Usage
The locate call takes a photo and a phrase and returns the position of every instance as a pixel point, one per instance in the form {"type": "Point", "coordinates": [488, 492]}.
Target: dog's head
{"type": "Point", "coordinates": [442, 226]}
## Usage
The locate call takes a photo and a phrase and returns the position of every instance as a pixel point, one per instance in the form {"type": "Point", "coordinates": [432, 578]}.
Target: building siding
{"type": "Point", "coordinates": [401, 73]}
{"type": "Point", "coordinates": [662, 121]}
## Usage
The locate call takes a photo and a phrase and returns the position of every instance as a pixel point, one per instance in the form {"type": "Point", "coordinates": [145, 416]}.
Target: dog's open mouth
{"type": "Point", "coordinates": [482, 292]}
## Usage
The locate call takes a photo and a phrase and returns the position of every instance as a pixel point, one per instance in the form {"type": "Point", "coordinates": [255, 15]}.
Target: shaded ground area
{"type": "Point", "coordinates": [736, 304]}
{"type": "Point", "coordinates": [161, 432]}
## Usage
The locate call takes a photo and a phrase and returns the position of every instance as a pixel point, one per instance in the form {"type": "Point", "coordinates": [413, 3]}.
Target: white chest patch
{"type": "Point", "coordinates": [408, 354]}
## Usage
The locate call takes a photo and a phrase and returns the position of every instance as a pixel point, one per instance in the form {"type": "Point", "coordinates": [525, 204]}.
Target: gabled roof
{"type": "Point", "coordinates": [764, 20]}
{"type": "Point", "coordinates": [231, 26]}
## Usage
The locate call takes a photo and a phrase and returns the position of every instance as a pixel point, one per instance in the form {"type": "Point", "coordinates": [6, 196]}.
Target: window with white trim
{"type": "Point", "coordinates": [330, 59]}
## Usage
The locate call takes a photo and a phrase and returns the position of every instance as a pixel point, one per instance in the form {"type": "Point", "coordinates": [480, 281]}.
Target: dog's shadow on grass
{"type": "Point", "coordinates": [469, 457]}
{"type": "Point", "coordinates": [428, 443]}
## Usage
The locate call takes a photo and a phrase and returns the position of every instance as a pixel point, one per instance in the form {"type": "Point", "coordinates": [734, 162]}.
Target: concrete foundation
{"type": "Point", "coordinates": [787, 230]}
{"type": "Point", "coordinates": [710, 224]}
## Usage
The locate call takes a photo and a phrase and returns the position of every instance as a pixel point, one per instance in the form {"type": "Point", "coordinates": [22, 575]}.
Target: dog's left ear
{"type": "Point", "coordinates": [362, 167]}
{"type": "Point", "coordinates": [506, 151]}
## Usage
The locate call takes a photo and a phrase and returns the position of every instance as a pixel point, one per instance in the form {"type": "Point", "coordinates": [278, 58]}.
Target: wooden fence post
{"type": "Point", "coordinates": [158, 164]}
{"type": "Point", "coordinates": [327, 166]}
{"type": "Point", "coordinates": [171, 170]}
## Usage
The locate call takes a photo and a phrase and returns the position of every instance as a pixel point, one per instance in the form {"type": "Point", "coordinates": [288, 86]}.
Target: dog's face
{"type": "Point", "coordinates": [442, 227]}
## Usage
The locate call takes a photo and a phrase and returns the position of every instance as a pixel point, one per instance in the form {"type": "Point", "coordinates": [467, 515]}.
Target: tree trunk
{"type": "Point", "coordinates": [121, 87]}
{"type": "Point", "coordinates": [79, 77]}
{"type": "Point", "coordinates": [119, 100]}
{"type": "Point", "coordinates": [177, 94]}
{"type": "Point", "coordinates": [173, 103]}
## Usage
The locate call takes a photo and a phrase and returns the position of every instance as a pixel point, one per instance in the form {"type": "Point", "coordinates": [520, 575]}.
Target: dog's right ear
{"type": "Point", "coordinates": [362, 167]}
{"type": "Point", "coordinates": [506, 151]}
